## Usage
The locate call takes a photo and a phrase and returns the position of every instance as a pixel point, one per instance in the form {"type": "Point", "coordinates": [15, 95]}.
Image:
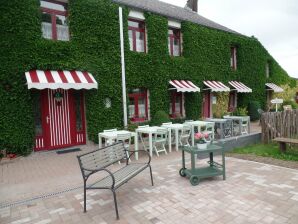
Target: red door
{"type": "Point", "coordinates": [207, 104]}
{"type": "Point", "coordinates": [62, 119]}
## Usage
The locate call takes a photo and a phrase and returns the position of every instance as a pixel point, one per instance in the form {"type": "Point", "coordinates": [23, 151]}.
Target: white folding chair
{"type": "Point", "coordinates": [209, 130]}
{"type": "Point", "coordinates": [143, 138]}
{"type": "Point", "coordinates": [109, 142]}
{"type": "Point", "coordinates": [167, 123]}
{"type": "Point", "coordinates": [126, 139]}
{"type": "Point", "coordinates": [244, 125]}
{"type": "Point", "coordinates": [160, 140]}
{"type": "Point", "coordinates": [185, 135]}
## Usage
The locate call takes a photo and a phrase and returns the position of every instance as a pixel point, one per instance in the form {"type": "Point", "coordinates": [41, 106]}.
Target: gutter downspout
{"type": "Point", "coordinates": [123, 68]}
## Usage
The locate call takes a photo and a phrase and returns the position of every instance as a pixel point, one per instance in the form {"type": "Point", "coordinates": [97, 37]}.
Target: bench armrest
{"type": "Point", "coordinates": [131, 152]}
{"type": "Point", "coordinates": [97, 170]}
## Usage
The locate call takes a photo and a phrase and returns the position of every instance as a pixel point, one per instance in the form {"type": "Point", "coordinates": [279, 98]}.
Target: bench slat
{"type": "Point", "coordinates": [286, 140]}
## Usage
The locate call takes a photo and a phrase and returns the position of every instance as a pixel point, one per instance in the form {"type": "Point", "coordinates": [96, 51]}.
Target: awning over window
{"type": "Point", "coordinates": [217, 86]}
{"type": "Point", "coordinates": [240, 87]}
{"type": "Point", "coordinates": [274, 87]}
{"type": "Point", "coordinates": [60, 79]}
{"type": "Point", "coordinates": [184, 86]}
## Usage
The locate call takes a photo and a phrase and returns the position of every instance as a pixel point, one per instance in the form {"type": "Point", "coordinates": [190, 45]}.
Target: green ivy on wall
{"type": "Point", "coordinates": [95, 47]}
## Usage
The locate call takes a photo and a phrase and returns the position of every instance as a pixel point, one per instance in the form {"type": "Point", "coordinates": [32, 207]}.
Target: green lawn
{"type": "Point", "coordinates": [270, 150]}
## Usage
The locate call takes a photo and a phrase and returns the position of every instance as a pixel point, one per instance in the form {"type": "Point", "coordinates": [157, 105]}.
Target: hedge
{"type": "Point", "coordinates": [94, 47]}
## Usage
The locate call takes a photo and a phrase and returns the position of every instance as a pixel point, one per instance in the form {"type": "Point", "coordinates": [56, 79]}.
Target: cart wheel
{"type": "Point", "coordinates": [181, 172]}
{"type": "Point", "coordinates": [194, 180]}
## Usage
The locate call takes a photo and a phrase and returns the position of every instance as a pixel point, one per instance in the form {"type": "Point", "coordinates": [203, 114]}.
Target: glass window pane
{"type": "Point", "coordinates": [142, 108]}
{"type": "Point", "coordinates": [140, 42]}
{"type": "Point", "coordinates": [37, 114]}
{"type": "Point", "coordinates": [46, 25]}
{"type": "Point", "coordinates": [78, 110]}
{"type": "Point", "coordinates": [131, 108]}
{"type": "Point", "coordinates": [62, 28]}
{"type": "Point", "coordinates": [133, 24]}
{"type": "Point", "coordinates": [130, 40]}
{"type": "Point", "coordinates": [176, 47]}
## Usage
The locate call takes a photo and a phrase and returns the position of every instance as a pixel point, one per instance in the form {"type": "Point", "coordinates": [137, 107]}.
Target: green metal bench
{"type": "Point", "coordinates": [100, 159]}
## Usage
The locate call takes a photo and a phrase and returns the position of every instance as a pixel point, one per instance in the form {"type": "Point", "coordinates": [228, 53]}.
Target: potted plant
{"type": "Point", "coordinates": [200, 139]}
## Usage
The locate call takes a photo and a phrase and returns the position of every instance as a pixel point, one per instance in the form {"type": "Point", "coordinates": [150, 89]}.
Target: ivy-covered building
{"type": "Point", "coordinates": [61, 74]}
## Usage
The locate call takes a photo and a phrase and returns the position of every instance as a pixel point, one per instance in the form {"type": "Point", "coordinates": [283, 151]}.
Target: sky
{"type": "Point", "coordinates": [273, 22]}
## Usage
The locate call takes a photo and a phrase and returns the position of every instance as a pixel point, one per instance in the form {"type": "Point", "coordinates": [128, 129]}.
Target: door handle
{"type": "Point", "coordinates": [47, 119]}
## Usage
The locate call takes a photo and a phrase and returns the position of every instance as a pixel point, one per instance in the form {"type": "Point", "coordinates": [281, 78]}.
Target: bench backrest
{"type": "Point", "coordinates": [101, 158]}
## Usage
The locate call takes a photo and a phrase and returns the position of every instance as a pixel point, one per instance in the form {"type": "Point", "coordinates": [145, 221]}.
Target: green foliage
{"type": "Point", "coordinates": [293, 104]}
{"type": "Point", "coordinates": [160, 117]}
{"type": "Point", "coordinates": [95, 47]}
{"type": "Point", "coordinates": [269, 150]}
{"type": "Point", "coordinates": [253, 107]}
{"type": "Point", "coordinates": [241, 111]}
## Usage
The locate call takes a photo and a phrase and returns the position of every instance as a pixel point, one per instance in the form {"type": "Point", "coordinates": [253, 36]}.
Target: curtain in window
{"type": "Point", "coordinates": [46, 30]}
{"type": "Point", "coordinates": [62, 32]}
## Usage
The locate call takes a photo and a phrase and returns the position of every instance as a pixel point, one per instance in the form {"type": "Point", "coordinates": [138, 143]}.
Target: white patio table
{"type": "Point", "coordinates": [147, 130]}
{"type": "Point", "coordinates": [238, 120]}
{"type": "Point", "coordinates": [176, 128]}
{"type": "Point", "coordinates": [198, 124]}
{"type": "Point", "coordinates": [220, 123]}
{"type": "Point", "coordinates": [111, 136]}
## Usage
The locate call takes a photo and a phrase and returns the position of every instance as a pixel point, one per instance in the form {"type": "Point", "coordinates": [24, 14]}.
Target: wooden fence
{"type": "Point", "coordinates": [279, 124]}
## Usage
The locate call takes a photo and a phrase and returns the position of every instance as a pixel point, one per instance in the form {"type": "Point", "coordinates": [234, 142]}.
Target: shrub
{"type": "Point", "coordinates": [289, 102]}
{"type": "Point", "coordinates": [253, 107]}
{"type": "Point", "coordinates": [160, 117]}
{"type": "Point", "coordinates": [241, 111]}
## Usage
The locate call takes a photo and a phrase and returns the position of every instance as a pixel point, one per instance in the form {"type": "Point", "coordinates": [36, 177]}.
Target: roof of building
{"type": "Point", "coordinates": [174, 12]}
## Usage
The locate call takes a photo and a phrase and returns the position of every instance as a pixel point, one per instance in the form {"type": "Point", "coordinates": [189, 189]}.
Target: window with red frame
{"type": "Point", "coordinates": [176, 105]}
{"type": "Point", "coordinates": [234, 58]}
{"type": "Point", "coordinates": [232, 101]}
{"type": "Point", "coordinates": [138, 105]}
{"type": "Point", "coordinates": [174, 42]}
{"type": "Point", "coordinates": [137, 35]}
{"type": "Point", "coordinates": [54, 20]}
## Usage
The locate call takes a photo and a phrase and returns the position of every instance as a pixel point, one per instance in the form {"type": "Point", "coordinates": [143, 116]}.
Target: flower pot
{"type": "Point", "coordinates": [202, 145]}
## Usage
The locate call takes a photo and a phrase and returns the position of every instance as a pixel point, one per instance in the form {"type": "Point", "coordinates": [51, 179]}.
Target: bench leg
{"type": "Point", "coordinates": [84, 196]}
{"type": "Point", "coordinates": [283, 147]}
{"type": "Point", "coordinates": [151, 175]}
{"type": "Point", "coordinates": [115, 201]}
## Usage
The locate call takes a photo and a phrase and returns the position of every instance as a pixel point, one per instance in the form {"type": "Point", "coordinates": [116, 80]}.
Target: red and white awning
{"type": "Point", "coordinates": [274, 87]}
{"type": "Point", "coordinates": [240, 87]}
{"type": "Point", "coordinates": [216, 86]}
{"type": "Point", "coordinates": [184, 86]}
{"type": "Point", "coordinates": [60, 79]}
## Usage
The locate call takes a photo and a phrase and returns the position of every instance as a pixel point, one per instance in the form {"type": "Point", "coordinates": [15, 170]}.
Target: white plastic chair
{"type": "Point", "coordinates": [167, 123]}
{"type": "Point", "coordinates": [126, 139]}
{"type": "Point", "coordinates": [185, 135]}
{"type": "Point", "coordinates": [160, 140]}
{"type": "Point", "coordinates": [244, 125]}
{"type": "Point", "coordinates": [144, 139]}
{"type": "Point", "coordinates": [109, 142]}
{"type": "Point", "coordinates": [209, 130]}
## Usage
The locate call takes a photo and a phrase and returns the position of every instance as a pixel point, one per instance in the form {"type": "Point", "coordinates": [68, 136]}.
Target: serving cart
{"type": "Point", "coordinates": [212, 169]}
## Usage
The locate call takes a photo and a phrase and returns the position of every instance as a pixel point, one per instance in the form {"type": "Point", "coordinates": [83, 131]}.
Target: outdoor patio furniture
{"type": "Point", "coordinates": [198, 125]}
{"type": "Point", "coordinates": [100, 159]}
{"type": "Point", "coordinates": [185, 136]}
{"type": "Point", "coordinates": [228, 128]}
{"type": "Point", "coordinates": [284, 141]}
{"type": "Point", "coordinates": [144, 137]}
{"type": "Point", "coordinates": [237, 123]}
{"type": "Point", "coordinates": [209, 131]}
{"type": "Point", "coordinates": [244, 125]}
{"type": "Point", "coordinates": [219, 127]}
{"type": "Point", "coordinates": [111, 136]}
{"type": "Point", "coordinates": [109, 141]}
{"type": "Point", "coordinates": [160, 140]}
{"type": "Point", "coordinates": [174, 130]}
{"type": "Point", "coordinates": [214, 168]}
{"type": "Point", "coordinates": [125, 139]}
{"type": "Point", "coordinates": [150, 131]}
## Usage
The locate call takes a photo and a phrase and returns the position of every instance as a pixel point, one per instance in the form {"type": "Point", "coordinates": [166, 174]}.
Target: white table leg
{"type": "Point", "coordinates": [136, 147]}
{"type": "Point", "coordinates": [170, 140]}
{"type": "Point", "coordinates": [176, 139]}
{"type": "Point", "coordinates": [150, 144]}
{"type": "Point", "coordinates": [192, 135]}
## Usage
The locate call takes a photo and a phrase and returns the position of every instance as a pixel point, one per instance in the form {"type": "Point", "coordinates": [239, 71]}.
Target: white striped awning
{"type": "Point", "coordinates": [184, 86]}
{"type": "Point", "coordinates": [216, 86]}
{"type": "Point", "coordinates": [60, 79]}
{"type": "Point", "coordinates": [274, 87]}
{"type": "Point", "coordinates": [240, 87]}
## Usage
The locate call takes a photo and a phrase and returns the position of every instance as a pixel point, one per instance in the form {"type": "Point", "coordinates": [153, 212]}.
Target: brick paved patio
{"type": "Point", "coordinates": [252, 193]}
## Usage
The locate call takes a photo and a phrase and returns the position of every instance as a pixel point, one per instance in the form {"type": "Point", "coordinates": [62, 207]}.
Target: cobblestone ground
{"type": "Point", "coordinates": [252, 193]}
